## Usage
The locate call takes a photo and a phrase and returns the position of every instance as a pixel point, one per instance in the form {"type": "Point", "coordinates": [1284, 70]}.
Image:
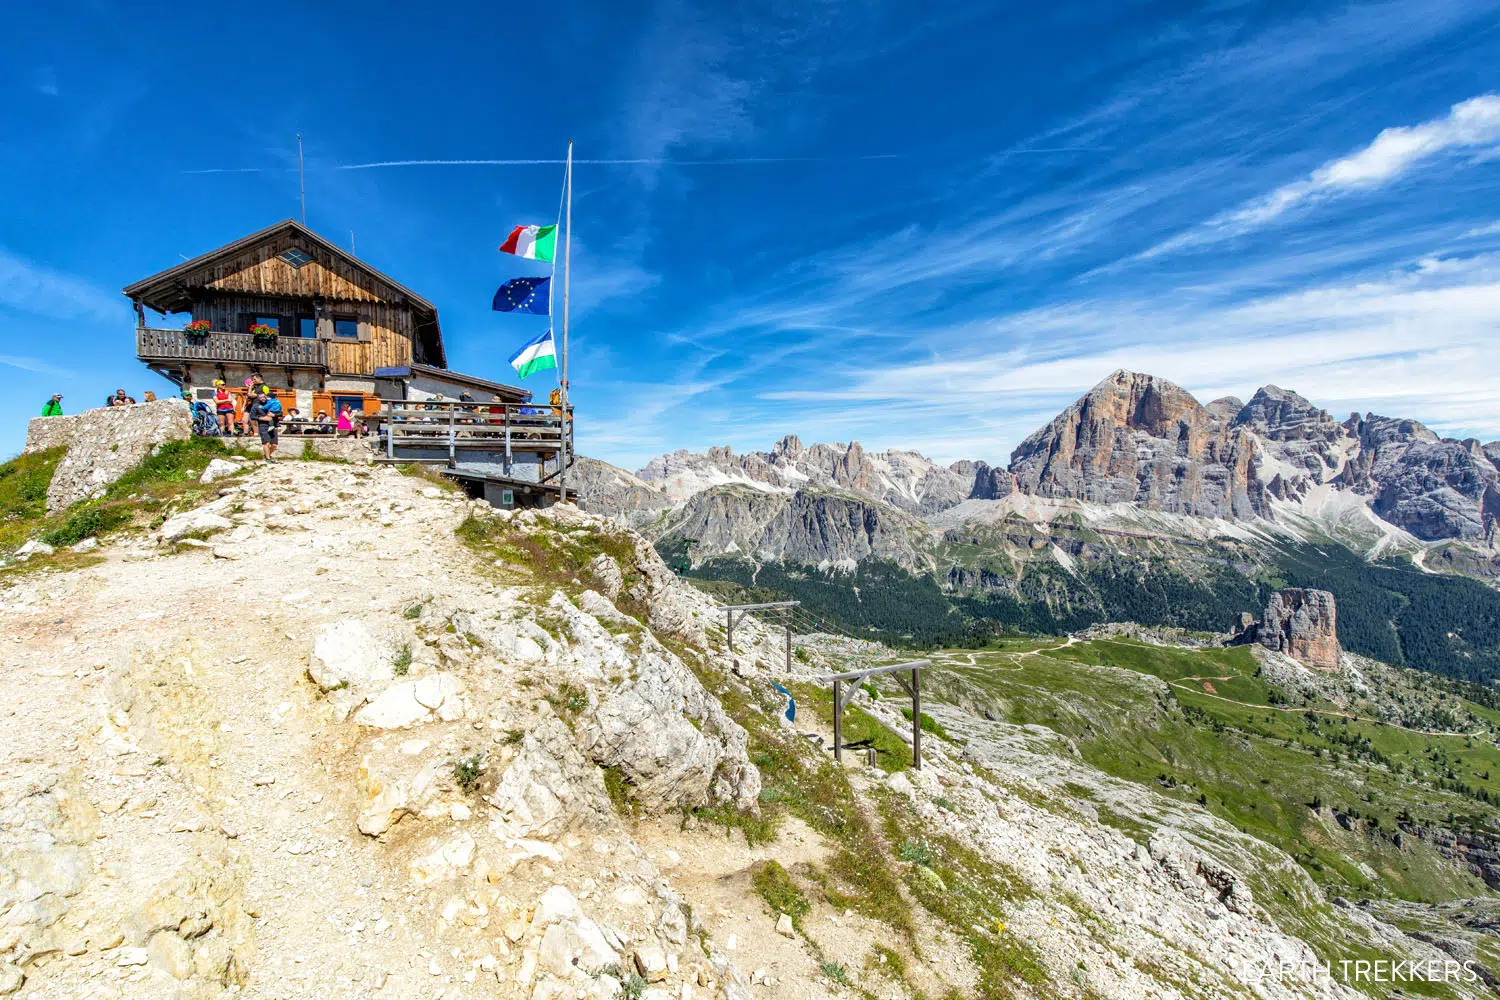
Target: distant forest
{"type": "Point", "coordinates": [1390, 611]}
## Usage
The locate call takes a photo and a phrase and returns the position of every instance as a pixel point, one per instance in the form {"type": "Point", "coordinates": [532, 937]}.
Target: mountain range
{"type": "Point", "coordinates": [1137, 502]}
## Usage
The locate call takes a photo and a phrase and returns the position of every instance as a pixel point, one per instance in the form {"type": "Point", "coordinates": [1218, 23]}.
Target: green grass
{"type": "Point", "coordinates": [619, 790]}
{"type": "Point", "coordinates": [1255, 766]}
{"type": "Point", "coordinates": [970, 893]}
{"type": "Point", "coordinates": [467, 773]}
{"type": "Point", "coordinates": [401, 662]}
{"type": "Point", "coordinates": [159, 483]}
{"type": "Point", "coordinates": [775, 886]}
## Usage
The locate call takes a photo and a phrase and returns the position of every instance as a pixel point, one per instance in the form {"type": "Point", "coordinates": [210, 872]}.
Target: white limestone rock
{"type": "Point", "coordinates": [409, 703]}
{"type": "Point", "coordinates": [346, 654]}
{"type": "Point", "coordinates": [548, 787]}
{"type": "Point", "coordinates": [194, 522]}
{"type": "Point", "coordinates": [218, 468]}
{"type": "Point", "coordinates": [642, 727]}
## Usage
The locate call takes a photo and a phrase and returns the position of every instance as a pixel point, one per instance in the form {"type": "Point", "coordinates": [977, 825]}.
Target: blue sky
{"type": "Point", "coordinates": [925, 226]}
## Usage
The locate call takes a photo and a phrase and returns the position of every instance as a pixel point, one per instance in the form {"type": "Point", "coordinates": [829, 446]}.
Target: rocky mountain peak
{"type": "Point", "coordinates": [1283, 415]}
{"type": "Point", "coordinates": [1136, 438]}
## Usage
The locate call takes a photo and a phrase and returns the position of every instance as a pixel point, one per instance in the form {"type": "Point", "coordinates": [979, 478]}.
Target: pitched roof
{"type": "Point", "coordinates": [162, 291]}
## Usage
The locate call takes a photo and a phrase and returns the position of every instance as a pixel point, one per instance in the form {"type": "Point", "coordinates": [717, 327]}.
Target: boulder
{"type": "Point", "coordinates": [606, 573]}
{"type": "Point", "coordinates": [548, 787]}
{"type": "Point", "coordinates": [35, 547]}
{"type": "Point", "coordinates": [346, 654]}
{"type": "Point", "coordinates": [642, 728]}
{"type": "Point", "coordinates": [218, 468]}
{"type": "Point", "coordinates": [394, 784]}
{"type": "Point", "coordinates": [198, 523]}
{"type": "Point", "coordinates": [434, 697]}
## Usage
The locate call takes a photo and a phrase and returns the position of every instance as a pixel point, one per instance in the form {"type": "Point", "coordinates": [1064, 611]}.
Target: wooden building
{"type": "Point", "coordinates": [322, 327]}
{"type": "Point", "coordinates": [335, 320]}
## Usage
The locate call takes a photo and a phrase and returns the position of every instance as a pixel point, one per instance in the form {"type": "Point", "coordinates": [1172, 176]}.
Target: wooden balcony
{"type": "Point", "coordinates": [218, 347]}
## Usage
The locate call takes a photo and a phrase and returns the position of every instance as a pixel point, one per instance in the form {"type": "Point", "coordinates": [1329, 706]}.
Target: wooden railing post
{"type": "Point", "coordinates": [838, 720]}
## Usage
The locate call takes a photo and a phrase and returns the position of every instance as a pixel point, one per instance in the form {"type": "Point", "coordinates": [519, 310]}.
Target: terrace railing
{"type": "Point", "coordinates": [454, 426]}
{"type": "Point", "coordinates": [217, 346]}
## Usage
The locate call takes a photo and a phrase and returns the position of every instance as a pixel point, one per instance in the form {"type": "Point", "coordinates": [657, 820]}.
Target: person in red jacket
{"type": "Point", "coordinates": [223, 406]}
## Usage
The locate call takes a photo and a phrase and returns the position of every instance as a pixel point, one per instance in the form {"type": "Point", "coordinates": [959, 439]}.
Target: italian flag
{"type": "Point", "coordinates": [537, 356]}
{"type": "Point", "coordinates": [531, 242]}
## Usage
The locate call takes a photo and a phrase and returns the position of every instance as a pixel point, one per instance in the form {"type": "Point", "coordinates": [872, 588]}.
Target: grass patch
{"type": "Point", "coordinates": [619, 789]}
{"type": "Point", "coordinates": [970, 893]}
{"type": "Point", "coordinates": [929, 725]}
{"type": "Point", "coordinates": [467, 773]}
{"type": "Point", "coordinates": [144, 495]}
{"type": "Point", "coordinates": [775, 886]}
{"type": "Point", "coordinates": [834, 971]}
{"type": "Point", "coordinates": [401, 662]}
{"type": "Point", "coordinates": [558, 558]}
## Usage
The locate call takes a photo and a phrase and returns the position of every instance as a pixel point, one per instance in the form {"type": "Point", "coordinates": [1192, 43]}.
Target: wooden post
{"type": "Point", "coordinates": [838, 720]}
{"type": "Point", "coordinates": [729, 613]}
{"type": "Point", "coordinates": [916, 719]}
{"type": "Point", "coordinates": [788, 625]}
{"type": "Point", "coordinates": [452, 456]}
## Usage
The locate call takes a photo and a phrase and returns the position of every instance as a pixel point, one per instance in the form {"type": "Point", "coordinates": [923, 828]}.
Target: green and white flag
{"type": "Point", "coordinates": [537, 356]}
{"type": "Point", "coordinates": [531, 242]}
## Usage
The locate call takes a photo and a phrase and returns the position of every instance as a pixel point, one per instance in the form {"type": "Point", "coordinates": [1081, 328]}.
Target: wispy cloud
{"type": "Point", "coordinates": [42, 291]}
{"type": "Point", "coordinates": [34, 365]}
{"type": "Point", "coordinates": [1472, 125]}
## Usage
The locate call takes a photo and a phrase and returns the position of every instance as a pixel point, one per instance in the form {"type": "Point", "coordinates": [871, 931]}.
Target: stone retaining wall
{"type": "Point", "coordinates": [104, 444]}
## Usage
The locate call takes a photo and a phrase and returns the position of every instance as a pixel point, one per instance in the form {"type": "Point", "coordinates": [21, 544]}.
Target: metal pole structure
{"type": "Point", "coordinates": [562, 471]}
{"type": "Point", "coordinates": [788, 625]}
{"type": "Point", "coordinates": [838, 720]}
{"type": "Point", "coordinates": [302, 187]}
{"type": "Point", "coordinates": [916, 719]}
{"type": "Point", "coordinates": [729, 629]}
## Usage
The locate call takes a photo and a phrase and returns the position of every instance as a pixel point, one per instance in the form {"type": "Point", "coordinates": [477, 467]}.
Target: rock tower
{"type": "Point", "coordinates": [1300, 623]}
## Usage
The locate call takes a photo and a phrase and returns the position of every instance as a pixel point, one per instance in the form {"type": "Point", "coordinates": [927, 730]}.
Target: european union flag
{"type": "Point", "coordinates": [527, 295]}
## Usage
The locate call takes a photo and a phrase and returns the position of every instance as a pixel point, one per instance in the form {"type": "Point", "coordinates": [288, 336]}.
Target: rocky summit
{"type": "Point", "coordinates": [1141, 440]}
{"type": "Point", "coordinates": [319, 728]}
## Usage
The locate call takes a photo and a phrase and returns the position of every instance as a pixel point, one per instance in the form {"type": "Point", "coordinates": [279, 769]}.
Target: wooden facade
{"type": "Point", "coordinates": [290, 278]}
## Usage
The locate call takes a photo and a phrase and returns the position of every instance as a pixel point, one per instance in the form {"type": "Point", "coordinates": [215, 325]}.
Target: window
{"type": "Point", "coordinates": [296, 257]}
{"type": "Point", "coordinates": [274, 322]}
{"type": "Point", "coordinates": [346, 327]}
{"type": "Point", "coordinates": [307, 327]}
{"type": "Point", "coordinates": [356, 404]}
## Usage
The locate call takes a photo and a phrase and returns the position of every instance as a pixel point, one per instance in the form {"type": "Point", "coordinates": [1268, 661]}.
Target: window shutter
{"type": "Point", "coordinates": [364, 331]}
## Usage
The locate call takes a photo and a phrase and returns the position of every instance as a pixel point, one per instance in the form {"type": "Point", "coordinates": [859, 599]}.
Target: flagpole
{"type": "Point", "coordinates": [562, 472]}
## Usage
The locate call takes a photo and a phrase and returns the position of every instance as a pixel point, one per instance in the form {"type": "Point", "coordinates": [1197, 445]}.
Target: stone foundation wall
{"type": "Point", "coordinates": [104, 444]}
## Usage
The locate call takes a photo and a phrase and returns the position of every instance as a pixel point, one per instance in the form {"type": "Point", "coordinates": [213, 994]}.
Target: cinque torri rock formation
{"type": "Point", "coordinates": [1299, 622]}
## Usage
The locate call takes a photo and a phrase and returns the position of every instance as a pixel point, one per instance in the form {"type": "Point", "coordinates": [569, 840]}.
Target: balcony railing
{"type": "Point", "coordinates": [454, 426]}
{"type": "Point", "coordinates": [216, 346]}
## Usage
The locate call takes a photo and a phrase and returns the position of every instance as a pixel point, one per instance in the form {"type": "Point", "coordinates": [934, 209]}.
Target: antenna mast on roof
{"type": "Point", "coordinates": [301, 179]}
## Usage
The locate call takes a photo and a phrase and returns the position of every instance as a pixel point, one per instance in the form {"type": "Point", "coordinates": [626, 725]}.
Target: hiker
{"type": "Point", "coordinates": [118, 399]}
{"type": "Point", "coordinates": [223, 406]}
{"type": "Point", "coordinates": [150, 396]}
{"type": "Point", "coordinates": [53, 406]}
{"type": "Point", "coordinates": [323, 425]}
{"type": "Point", "coordinates": [266, 412]}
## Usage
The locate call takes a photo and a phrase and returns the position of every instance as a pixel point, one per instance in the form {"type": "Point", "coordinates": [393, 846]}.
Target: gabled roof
{"type": "Point", "coordinates": [163, 292]}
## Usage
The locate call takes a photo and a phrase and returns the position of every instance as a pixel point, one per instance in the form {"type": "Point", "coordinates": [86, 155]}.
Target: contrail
{"type": "Point", "coordinates": [639, 161]}
{"type": "Point", "coordinates": [634, 161]}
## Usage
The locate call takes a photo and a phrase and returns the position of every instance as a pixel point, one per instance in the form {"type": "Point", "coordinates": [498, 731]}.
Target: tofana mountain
{"type": "Point", "coordinates": [1136, 503]}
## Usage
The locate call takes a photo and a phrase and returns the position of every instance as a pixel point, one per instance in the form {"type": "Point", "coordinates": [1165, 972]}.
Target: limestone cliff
{"type": "Point", "coordinates": [1143, 440]}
